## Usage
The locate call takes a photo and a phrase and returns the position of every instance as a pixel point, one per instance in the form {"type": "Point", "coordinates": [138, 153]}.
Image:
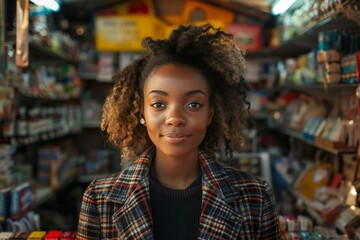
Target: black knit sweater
{"type": "Point", "coordinates": [175, 213]}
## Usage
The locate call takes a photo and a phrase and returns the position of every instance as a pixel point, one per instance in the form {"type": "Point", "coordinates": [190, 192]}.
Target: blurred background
{"type": "Point", "coordinates": [57, 58]}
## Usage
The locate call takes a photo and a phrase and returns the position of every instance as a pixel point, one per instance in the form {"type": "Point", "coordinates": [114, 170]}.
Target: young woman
{"type": "Point", "coordinates": [166, 112]}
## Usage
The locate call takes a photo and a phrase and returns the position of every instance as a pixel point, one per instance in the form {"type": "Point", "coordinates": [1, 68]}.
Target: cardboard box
{"type": "Point", "coordinates": [247, 36]}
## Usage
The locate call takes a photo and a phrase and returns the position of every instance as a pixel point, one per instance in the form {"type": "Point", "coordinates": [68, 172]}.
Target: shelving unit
{"type": "Point", "coordinates": [306, 39]}
{"type": "Point", "coordinates": [92, 77]}
{"type": "Point", "coordinates": [329, 90]}
{"type": "Point", "coordinates": [299, 136]}
{"type": "Point", "coordinates": [38, 51]}
{"type": "Point", "coordinates": [303, 200]}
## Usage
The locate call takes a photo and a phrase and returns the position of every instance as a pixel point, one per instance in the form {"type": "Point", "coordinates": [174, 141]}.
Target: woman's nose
{"type": "Point", "coordinates": [175, 117]}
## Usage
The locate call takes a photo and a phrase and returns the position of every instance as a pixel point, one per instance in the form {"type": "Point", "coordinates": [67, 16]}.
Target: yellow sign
{"type": "Point", "coordinates": [125, 33]}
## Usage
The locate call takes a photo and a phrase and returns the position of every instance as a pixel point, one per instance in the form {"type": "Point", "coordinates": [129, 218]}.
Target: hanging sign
{"type": "Point", "coordinates": [125, 33]}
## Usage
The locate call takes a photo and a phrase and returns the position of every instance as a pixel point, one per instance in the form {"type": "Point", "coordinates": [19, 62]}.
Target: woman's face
{"type": "Point", "coordinates": [176, 109]}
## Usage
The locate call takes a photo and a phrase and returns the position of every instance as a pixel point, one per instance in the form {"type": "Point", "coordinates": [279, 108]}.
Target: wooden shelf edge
{"type": "Point", "coordinates": [42, 194]}
{"type": "Point", "coordinates": [297, 135]}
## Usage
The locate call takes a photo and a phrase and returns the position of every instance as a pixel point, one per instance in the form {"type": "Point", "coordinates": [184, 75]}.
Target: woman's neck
{"type": "Point", "coordinates": [176, 172]}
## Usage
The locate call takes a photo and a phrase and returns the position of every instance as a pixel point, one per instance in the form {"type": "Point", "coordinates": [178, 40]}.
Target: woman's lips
{"type": "Point", "coordinates": [175, 137]}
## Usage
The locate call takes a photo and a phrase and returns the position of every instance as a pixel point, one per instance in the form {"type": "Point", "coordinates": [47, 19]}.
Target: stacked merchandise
{"type": "Point", "coordinates": [16, 204]}
{"type": "Point", "coordinates": [56, 167]}
{"type": "Point", "coordinates": [311, 13]}
{"type": "Point", "coordinates": [337, 56]}
{"type": "Point", "coordinates": [301, 227]}
{"type": "Point", "coordinates": [39, 235]}
{"type": "Point", "coordinates": [334, 62]}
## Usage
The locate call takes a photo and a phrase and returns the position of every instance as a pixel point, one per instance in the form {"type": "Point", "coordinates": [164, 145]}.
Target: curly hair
{"type": "Point", "coordinates": [209, 50]}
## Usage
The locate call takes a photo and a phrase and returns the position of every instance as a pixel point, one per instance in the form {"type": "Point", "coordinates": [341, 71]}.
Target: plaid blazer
{"type": "Point", "coordinates": [235, 205]}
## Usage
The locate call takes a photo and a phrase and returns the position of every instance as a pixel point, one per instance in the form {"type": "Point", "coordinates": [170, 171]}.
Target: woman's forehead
{"type": "Point", "coordinates": [171, 75]}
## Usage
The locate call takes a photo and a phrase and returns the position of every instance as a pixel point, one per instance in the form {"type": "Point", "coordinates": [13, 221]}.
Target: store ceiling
{"type": "Point", "coordinates": [81, 10]}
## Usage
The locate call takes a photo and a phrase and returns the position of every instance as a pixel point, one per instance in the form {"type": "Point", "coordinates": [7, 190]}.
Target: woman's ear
{"type": "Point", "coordinates": [211, 114]}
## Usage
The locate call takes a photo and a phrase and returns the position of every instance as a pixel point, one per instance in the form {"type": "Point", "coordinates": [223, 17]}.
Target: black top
{"type": "Point", "coordinates": [175, 213]}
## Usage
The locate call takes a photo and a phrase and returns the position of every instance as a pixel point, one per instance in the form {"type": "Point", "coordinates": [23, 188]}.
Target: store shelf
{"type": "Point", "coordinates": [92, 77]}
{"type": "Point", "coordinates": [329, 90]}
{"type": "Point", "coordinates": [44, 137]}
{"type": "Point", "coordinates": [299, 136]}
{"type": "Point", "coordinates": [307, 38]}
{"type": "Point", "coordinates": [41, 52]}
{"type": "Point", "coordinates": [42, 194]}
{"type": "Point", "coordinates": [91, 124]}
{"type": "Point", "coordinates": [33, 99]}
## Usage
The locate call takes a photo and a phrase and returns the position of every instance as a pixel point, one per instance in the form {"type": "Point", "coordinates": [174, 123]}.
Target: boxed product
{"type": "Point", "coordinates": [37, 235]}
{"type": "Point", "coordinates": [69, 235]}
{"type": "Point", "coordinates": [21, 200]}
{"type": "Point", "coordinates": [53, 235]}
{"type": "Point", "coordinates": [247, 36]}
{"type": "Point", "coordinates": [5, 235]}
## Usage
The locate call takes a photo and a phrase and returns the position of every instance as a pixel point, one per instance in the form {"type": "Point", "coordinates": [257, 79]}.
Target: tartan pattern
{"type": "Point", "coordinates": [235, 205]}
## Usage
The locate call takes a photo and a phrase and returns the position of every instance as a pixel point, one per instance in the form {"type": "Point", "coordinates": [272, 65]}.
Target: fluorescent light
{"type": "Point", "coordinates": [50, 4]}
{"type": "Point", "coordinates": [281, 6]}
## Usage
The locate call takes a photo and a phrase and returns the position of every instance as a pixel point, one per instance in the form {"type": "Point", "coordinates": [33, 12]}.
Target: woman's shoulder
{"type": "Point", "coordinates": [102, 185]}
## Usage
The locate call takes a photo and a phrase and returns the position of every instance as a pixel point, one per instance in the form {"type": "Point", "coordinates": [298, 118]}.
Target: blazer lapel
{"type": "Point", "coordinates": [218, 220]}
{"type": "Point", "coordinates": [133, 219]}
{"type": "Point", "coordinates": [131, 195]}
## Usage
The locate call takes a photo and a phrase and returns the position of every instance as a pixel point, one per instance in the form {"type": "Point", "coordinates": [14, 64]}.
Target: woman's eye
{"type": "Point", "coordinates": [194, 105]}
{"type": "Point", "coordinates": [158, 105]}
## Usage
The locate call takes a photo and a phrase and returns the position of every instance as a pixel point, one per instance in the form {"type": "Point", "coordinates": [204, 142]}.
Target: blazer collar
{"type": "Point", "coordinates": [132, 216]}
{"type": "Point", "coordinates": [213, 174]}
{"type": "Point", "coordinates": [131, 177]}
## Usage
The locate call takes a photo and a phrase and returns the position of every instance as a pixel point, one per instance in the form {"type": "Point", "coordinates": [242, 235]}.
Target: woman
{"type": "Point", "coordinates": [166, 112]}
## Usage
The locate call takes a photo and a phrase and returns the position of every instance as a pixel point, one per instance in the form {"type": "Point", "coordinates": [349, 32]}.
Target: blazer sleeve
{"type": "Point", "coordinates": [89, 220]}
{"type": "Point", "coordinates": [270, 226]}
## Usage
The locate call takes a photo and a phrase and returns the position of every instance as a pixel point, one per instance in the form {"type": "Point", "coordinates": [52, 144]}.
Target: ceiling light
{"type": "Point", "coordinates": [281, 6]}
{"type": "Point", "coordinates": [50, 4]}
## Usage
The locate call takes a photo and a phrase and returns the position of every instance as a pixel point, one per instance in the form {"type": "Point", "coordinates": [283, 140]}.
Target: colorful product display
{"type": "Point", "coordinates": [39, 235]}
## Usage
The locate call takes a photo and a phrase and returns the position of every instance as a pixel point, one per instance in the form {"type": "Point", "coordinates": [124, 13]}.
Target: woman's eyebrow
{"type": "Point", "coordinates": [186, 94]}
{"type": "Point", "coordinates": [195, 92]}
{"type": "Point", "coordinates": [158, 92]}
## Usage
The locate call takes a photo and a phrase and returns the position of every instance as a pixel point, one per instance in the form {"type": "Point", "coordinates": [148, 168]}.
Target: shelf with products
{"type": "Point", "coordinates": [299, 28]}
{"type": "Point", "coordinates": [299, 136]}
{"type": "Point", "coordinates": [332, 89]}
{"type": "Point", "coordinates": [307, 39]}
{"type": "Point", "coordinates": [302, 200]}
{"type": "Point", "coordinates": [44, 193]}
{"type": "Point", "coordinates": [93, 98]}
{"type": "Point", "coordinates": [38, 51]}
{"type": "Point", "coordinates": [40, 119]}
{"type": "Point", "coordinates": [93, 77]}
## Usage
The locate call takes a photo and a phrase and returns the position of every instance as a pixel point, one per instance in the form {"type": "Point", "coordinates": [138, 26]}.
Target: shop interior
{"type": "Point", "coordinates": [57, 59]}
